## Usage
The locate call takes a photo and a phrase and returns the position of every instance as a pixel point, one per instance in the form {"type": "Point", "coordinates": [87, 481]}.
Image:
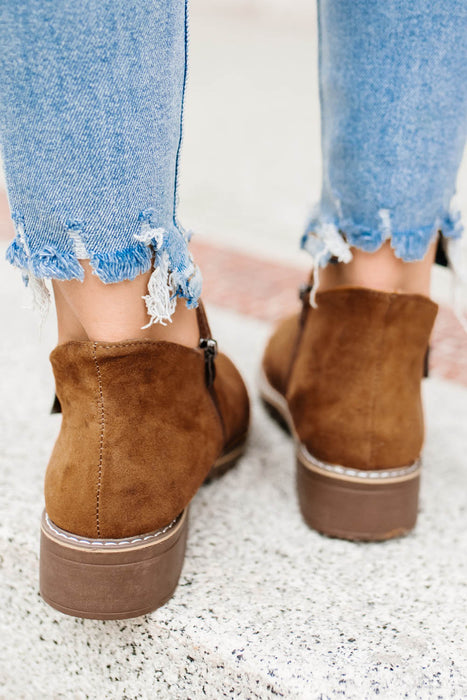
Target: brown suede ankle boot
{"type": "Point", "coordinates": [345, 379]}
{"type": "Point", "coordinates": [144, 424]}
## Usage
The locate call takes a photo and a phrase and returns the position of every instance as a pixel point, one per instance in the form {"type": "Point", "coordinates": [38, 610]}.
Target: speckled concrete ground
{"type": "Point", "coordinates": [265, 607]}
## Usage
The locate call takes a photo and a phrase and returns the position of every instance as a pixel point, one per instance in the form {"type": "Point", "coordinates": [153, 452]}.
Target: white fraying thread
{"type": "Point", "coordinates": [19, 226]}
{"type": "Point", "coordinates": [40, 296]}
{"type": "Point", "coordinates": [315, 276]}
{"type": "Point", "coordinates": [40, 293]}
{"type": "Point", "coordinates": [334, 245]}
{"type": "Point", "coordinates": [455, 255]}
{"type": "Point", "coordinates": [161, 300]}
{"type": "Point", "coordinates": [385, 228]}
{"type": "Point", "coordinates": [150, 236]}
{"type": "Point", "coordinates": [78, 245]}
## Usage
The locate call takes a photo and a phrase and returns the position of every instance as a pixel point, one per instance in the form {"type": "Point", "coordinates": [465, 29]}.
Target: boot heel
{"type": "Point", "coordinates": [358, 508]}
{"type": "Point", "coordinates": [108, 579]}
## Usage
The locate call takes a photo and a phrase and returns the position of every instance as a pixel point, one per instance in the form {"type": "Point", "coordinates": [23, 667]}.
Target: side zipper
{"type": "Point", "coordinates": [209, 345]}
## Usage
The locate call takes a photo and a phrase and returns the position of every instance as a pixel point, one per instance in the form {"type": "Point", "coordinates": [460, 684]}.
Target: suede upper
{"type": "Point", "coordinates": [351, 371]}
{"type": "Point", "coordinates": [140, 432]}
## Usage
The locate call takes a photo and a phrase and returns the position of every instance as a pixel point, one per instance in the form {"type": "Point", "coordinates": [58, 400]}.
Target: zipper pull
{"type": "Point", "coordinates": [209, 345]}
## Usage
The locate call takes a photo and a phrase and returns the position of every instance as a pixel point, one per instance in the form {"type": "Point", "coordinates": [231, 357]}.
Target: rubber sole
{"type": "Point", "coordinates": [110, 579]}
{"type": "Point", "coordinates": [226, 461]}
{"type": "Point", "coordinates": [348, 503]}
{"type": "Point", "coordinates": [114, 579]}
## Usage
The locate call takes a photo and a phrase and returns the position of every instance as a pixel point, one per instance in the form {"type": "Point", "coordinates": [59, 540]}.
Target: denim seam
{"type": "Point", "coordinates": [182, 110]}
{"type": "Point", "coordinates": [320, 82]}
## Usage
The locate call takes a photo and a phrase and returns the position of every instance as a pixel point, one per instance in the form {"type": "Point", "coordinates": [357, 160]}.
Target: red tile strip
{"type": "Point", "coordinates": [267, 290]}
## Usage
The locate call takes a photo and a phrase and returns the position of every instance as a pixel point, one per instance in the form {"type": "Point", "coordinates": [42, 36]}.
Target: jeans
{"type": "Point", "coordinates": [393, 87]}
{"type": "Point", "coordinates": [91, 126]}
{"type": "Point", "coordinates": [91, 116]}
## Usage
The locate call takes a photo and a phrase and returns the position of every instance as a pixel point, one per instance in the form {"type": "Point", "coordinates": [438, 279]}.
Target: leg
{"type": "Point", "coordinates": [381, 270]}
{"type": "Point", "coordinates": [90, 120]}
{"type": "Point", "coordinates": [394, 106]}
{"type": "Point", "coordinates": [93, 310]}
{"type": "Point", "coordinates": [91, 129]}
{"type": "Point", "coordinates": [345, 374]}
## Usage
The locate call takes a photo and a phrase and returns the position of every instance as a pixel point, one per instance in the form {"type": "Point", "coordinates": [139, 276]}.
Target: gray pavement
{"type": "Point", "coordinates": [265, 607]}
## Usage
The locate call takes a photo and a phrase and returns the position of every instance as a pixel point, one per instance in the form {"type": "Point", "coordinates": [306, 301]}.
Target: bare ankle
{"type": "Point", "coordinates": [381, 270]}
{"type": "Point", "coordinates": [92, 310]}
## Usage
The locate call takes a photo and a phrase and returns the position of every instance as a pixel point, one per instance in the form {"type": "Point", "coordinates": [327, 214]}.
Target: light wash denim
{"type": "Point", "coordinates": [91, 103]}
{"type": "Point", "coordinates": [393, 88]}
{"type": "Point", "coordinates": [91, 123]}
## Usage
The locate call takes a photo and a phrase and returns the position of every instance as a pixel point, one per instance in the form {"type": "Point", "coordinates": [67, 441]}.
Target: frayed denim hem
{"type": "Point", "coordinates": [326, 238]}
{"type": "Point", "coordinates": [120, 265]}
{"type": "Point", "coordinates": [332, 238]}
{"type": "Point", "coordinates": [45, 264]}
{"type": "Point", "coordinates": [175, 274]}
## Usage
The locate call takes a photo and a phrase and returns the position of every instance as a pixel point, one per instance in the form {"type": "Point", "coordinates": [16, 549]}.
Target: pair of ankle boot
{"type": "Point", "coordinates": [146, 423]}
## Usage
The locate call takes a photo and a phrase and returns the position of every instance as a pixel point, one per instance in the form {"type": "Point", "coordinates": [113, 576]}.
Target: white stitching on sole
{"type": "Point", "coordinates": [359, 473]}
{"type": "Point", "coordinates": [110, 543]}
{"type": "Point", "coordinates": [275, 398]}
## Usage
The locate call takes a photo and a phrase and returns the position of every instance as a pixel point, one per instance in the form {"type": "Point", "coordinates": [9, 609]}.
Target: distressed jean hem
{"type": "Point", "coordinates": [175, 275]}
{"type": "Point", "coordinates": [326, 237]}
{"type": "Point", "coordinates": [332, 238]}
